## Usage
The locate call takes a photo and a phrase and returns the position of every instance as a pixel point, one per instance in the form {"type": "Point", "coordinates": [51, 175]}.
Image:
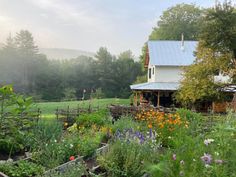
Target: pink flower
{"type": "Point", "coordinates": [206, 158]}
{"type": "Point", "coordinates": [174, 156]}
{"type": "Point", "coordinates": [72, 158]}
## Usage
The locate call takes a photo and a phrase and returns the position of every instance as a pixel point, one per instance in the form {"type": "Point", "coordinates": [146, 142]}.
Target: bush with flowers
{"type": "Point", "coordinates": [165, 124]}
{"type": "Point", "coordinates": [129, 152]}
{"type": "Point", "coordinates": [211, 153]}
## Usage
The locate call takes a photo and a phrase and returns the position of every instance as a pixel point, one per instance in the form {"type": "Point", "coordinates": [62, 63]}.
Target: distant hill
{"type": "Point", "coordinates": [62, 54]}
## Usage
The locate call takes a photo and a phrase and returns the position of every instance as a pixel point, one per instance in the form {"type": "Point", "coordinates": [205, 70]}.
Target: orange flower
{"type": "Point", "coordinates": [149, 125]}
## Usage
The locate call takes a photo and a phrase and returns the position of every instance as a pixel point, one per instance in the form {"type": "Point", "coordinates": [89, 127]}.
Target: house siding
{"type": "Point", "coordinates": [166, 74]}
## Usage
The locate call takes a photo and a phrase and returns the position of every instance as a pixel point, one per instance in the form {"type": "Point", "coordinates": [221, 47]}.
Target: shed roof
{"type": "Point", "coordinates": [170, 53]}
{"type": "Point", "coordinates": [171, 86]}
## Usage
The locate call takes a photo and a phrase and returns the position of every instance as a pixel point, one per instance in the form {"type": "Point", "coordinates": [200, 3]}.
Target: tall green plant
{"type": "Point", "coordinates": [14, 122]}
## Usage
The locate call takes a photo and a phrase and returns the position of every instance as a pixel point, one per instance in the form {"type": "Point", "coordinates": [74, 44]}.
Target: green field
{"type": "Point", "coordinates": [48, 108]}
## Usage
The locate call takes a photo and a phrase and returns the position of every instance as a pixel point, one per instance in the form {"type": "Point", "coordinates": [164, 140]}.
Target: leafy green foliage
{"type": "Point", "coordinates": [99, 118]}
{"type": "Point", "coordinates": [56, 152]}
{"type": "Point", "coordinates": [32, 74]}
{"type": "Point", "coordinates": [89, 142]}
{"type": "Point", "coordinates": [14, 120]}
{"type": "Point", "coordinates": [21, 169]}
{"type": "Point", "coordinates": [73, 171]}
{"type": "Point", "coordinates": [177, 20]}
{"type": "Point", "coordinates": [212, 154]}
{"type": "Point", "coordinates": [125, 159]}
{"type": "Point", "coordinates": [126, 123]}
{"type": "Point", "coordinates": [43, 132]}
{"type": "Point", "coordinates": [214, 53]}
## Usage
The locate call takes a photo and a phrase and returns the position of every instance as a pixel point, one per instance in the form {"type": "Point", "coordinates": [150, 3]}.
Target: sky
{"type": "Point", "coordinates": [86, 25]}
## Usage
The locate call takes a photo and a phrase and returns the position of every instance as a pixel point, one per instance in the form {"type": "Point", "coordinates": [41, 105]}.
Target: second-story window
{"type": "Point", "coordinates": [150, 73]}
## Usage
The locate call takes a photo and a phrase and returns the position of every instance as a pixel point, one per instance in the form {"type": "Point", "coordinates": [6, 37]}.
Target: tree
{"type": "Point", "coordinates": [126, 55]}
{"type": "Point", "coordinates": [105, 71]}
{"type": "Point", "coordinates": [182, 18]}
{"type": "Point", "coordinates": [198, 79]}
{"type": "Point", "coordinates": [219, 31]}
{"type": "Point", "coordinates": [25, 43]}
{"type": "Point", "coordinates": [215, 52]}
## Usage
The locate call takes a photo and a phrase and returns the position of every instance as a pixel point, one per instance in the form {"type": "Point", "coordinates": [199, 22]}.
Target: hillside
{"type": "Point", "coordinates": [61, 54]}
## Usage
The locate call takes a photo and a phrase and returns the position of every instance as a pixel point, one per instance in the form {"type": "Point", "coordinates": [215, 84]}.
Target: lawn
{"type": "Point", "coordinates": [48, 108]}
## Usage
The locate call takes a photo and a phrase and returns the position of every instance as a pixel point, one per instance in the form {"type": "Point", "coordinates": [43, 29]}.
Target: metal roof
{"type": "Point", "coordinates": [172, 86]}
{"type": "Point", "coordinates": [170, 53]}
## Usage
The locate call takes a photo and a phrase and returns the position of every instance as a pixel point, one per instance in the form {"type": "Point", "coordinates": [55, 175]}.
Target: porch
{"type": "Point", "coordinates": [154, 93]}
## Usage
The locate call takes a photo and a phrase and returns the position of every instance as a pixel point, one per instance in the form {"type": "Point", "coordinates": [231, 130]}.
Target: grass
{"type": "Point", "coordinates": [48, 108]}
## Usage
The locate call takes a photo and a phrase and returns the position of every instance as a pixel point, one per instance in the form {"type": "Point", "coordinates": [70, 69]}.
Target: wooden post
{"type": "Point", "coordinates": [57, 113]}
{"type": "Point", "coordinates": [140, 97]}
{"type": "Point", "coordinates": [158, 99]}
{"type": "Point", "coordinates": [136, 99]}
{"type": "Point", "coordinates": [68, 113]}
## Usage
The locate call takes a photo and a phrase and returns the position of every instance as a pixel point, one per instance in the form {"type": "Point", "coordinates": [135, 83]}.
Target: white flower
{"type": "Point", "coordinates": [55, 141]}
{"type": "Point", "coordinates": [208, 141]}
{"type": "Point", "coordinates": [71, 145]}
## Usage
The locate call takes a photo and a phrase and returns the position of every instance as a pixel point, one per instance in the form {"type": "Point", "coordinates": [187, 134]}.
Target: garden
{"type": "Point", "coordinates": [149, 143]}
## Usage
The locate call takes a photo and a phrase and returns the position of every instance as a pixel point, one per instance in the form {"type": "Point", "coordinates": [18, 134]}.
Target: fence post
{"type": "Point", "coordinates": [68, 112]}
{"type": "Point", "coordinates": [57, 113]}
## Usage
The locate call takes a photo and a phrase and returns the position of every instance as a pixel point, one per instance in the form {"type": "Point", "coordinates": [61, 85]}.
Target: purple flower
{"type": "Point", "coordinates": [141, 138]}
{"type": "Point", "coordinates": [218, 161]}
{"type": "Point", "coordinates": [174, 156]}
{"type": "Point", "coordinates": [206, 158]}
{"type": "Point", "coordinates": [150, 133]}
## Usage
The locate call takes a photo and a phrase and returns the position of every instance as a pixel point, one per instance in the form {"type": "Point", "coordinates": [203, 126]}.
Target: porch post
{"type": "Point", "coordinates": [158, 99]}
{"type": "Point", "coordinates": [141, 97]}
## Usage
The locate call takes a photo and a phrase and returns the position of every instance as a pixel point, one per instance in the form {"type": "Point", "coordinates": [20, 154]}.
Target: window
{"type": "Point", "coordinates": [150, 73]}
{"type": "Point", "coordinates": [153, 70]}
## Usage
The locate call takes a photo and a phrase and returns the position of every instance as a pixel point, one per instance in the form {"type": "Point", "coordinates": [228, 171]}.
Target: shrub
{"type": "Point", "coordinates": [22, 169]}
{"type": "Point", "coordinates": [14, 122]}
{"type": "Point", "coordinates": [126, 123]}
{"type": "Point", "coordinates": [89, 142]}
{"type": "Point", "coordinates": [99, 118]}
{"type": "Point", "coordinates": [126, 159]}
{"type": "Point", "coordinates": [208, 154]}
{"type": "Point", "coordinates": [44, 132]}
{"type": "Point", "coordinates": [56, 152]}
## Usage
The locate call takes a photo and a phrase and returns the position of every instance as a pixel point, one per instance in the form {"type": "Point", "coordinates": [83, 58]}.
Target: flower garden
{"type": "Point", "coordinates": [150, 143]}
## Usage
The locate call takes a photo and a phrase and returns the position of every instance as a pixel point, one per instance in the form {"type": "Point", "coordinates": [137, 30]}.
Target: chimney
{"type": "Point", "coordinates": [182, 42]}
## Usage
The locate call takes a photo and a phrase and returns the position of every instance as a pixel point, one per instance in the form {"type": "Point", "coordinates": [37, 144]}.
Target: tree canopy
{"type": "Point", "coordinates": [177, 20]}
{"type": "Point", "coordinates": [32, 74]}
{"type": "Point", "coordinates": [215, 53]}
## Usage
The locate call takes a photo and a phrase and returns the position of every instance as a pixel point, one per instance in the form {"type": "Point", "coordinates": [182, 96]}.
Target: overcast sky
{"type": "Point", "coordinates": [86, 24]}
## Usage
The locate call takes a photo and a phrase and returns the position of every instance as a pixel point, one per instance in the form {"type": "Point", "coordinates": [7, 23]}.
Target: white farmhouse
{"type": "Point", "coordinates": [165, 61]}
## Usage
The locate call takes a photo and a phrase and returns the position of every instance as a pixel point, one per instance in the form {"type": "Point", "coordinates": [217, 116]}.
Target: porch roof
{"type": "Point", "coordinates": [151, 86]}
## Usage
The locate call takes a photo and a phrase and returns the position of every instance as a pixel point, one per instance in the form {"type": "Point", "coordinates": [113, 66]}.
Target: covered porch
{"type": "Point", "coordinates": [154, 93]}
